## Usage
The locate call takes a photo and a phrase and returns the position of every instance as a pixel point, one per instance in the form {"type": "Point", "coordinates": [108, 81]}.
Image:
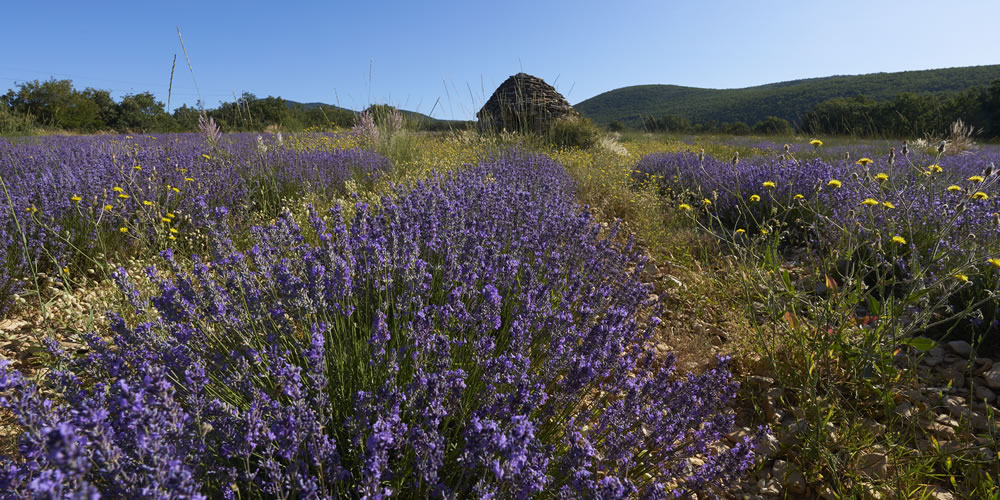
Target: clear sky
{"type": "Point", "coordinates": [410, 54]}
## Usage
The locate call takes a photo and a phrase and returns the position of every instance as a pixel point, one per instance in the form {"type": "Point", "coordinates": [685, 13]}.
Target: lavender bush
{"type": "Point", "coordinates": [74, 196]}
{"type": "Point", "coordinates": [476, 336]}
{"type": "Point", "coordinates": [921, 228]}
{"type": "Point", "coordinates": [934, 195]}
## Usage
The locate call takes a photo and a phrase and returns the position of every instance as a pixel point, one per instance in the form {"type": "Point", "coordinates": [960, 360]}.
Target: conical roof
{"type": "Point", "coordinates": [523, 102]}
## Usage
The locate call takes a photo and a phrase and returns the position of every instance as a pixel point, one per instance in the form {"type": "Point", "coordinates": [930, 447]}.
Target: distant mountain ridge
{"type": "Point", "coordinates": [788, 100]}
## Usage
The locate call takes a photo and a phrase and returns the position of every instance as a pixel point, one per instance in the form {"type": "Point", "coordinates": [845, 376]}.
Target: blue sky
{"type": "Point", "coordinates": [459, 51]}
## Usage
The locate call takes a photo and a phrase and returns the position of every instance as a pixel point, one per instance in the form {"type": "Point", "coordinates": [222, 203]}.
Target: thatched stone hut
{"type": "Point", "coordinates": [523, 103]}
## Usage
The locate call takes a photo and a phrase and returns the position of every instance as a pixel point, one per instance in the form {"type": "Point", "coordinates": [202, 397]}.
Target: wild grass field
{"type": "Point", "coordinates": [380, 312]}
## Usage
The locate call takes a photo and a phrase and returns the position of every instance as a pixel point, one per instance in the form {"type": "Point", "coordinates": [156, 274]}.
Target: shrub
{"type": "Point", "coordinates": [772, 125]}
{"type": "Point", "coordinates": [15, 124]}
{"type": "Point", "coordinates": [576, 132]}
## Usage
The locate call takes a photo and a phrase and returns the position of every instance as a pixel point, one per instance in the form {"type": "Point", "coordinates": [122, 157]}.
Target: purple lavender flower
{"type": "Point", "coordinates": [474, 336]}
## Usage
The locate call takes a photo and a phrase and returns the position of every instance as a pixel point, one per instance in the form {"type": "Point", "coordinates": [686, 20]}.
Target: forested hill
{"type": "Point", "coordinates": [789, 100]}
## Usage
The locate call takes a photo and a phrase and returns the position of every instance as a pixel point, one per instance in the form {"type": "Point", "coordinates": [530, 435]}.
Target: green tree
{"type": "Point", "coordinates": [772, 125]}
{"type": "Point", "coordinates": [43, 101]}
{"type": "Point", "coordinates": [78, 112]}
{"type": "Point", "coordinates": [668, 123]}
{"type": "Point", "coordinates": [107, 108]}
{"type": "Point", "coordinates": [991, 105]}
{"type": "Point", "coordinates": [736, 128]}
{"type": "Point", "coordinates": [142, 113]}
{"type": "Point", "coordinates": [186, 118]}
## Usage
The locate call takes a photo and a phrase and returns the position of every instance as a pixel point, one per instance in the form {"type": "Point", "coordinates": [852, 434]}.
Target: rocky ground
{"type": "Point", "coordinates": [955, 410]}
{"type": "Point", "coordinates": [952, 408]}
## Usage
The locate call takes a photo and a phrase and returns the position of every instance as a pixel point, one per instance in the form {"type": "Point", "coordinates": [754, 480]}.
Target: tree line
{"type": "Point", "coordinates": [907, 115]}
{"type": "Point", "coordinates": [56, 105]}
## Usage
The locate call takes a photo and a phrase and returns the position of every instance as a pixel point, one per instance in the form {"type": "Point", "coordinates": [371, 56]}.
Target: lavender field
{"type": "Point", "coordinates": [324, 315]}
{"type": "Point", "coordinates": [472, 334]}
{"type": "Point", "coordinates": [537, 250]}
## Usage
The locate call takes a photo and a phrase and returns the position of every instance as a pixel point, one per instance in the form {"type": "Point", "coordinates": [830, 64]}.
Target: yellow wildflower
{"type": "Point", "coordinates": [206, 157]}
{"type": "Point", "coordinates": [798, 197]}
{"type": "Point", "coordinates": [741, 231]}
{"type": "Point", "coordinates": [175, 190]}
{"type": "Point", "coordinates": [935, 168]}
{"type": "Point", "coordinates": [864, 161]}
{"type": "Point", "coordinates": [124, 196]}
{"type": "Point", "coordinates": [170, 214]}
{"type": "Point", "coordinates": [706, 201]}
{"type": "Point", "coordinates": [188, 179]}
{"type": "Point", "coordinates": [816, 143]}
{"type": "Point", "coordinates": [763, 231]}
{"type": "Point", "coordinates": [108, 207]}
{"type": "Point", "coordinates": [888, 204]}
{"type": "Point", "coordinates": [769, 184]}
{"type": "Point", "coordinates": [834, 183]}
{"type": "Point", "coordinates": [76, 199]}
{"type": "Point", "coordinates": [961, 277]}
{"type": "Point", "coordinates": [881, 176]}
{"type": "Point", "coordinates": [172, 230]}
{"type": "Point", "coordinates": [979, 195]}
{"type": "Point", "coordinates": [755, 198]}
{"type": "Point", "coordinates": [994, 261]}
{"type": "Point", "coordinates": [954, 188]}
{"type": "Point", "coordinates": [123, 229]}
{"type": "Point", "coordinates": [138, 167]}
{"type": "Point", "coordinates": [172, 237]}
{"type": "Point", "coordinates": [117, 189]}
{"type": "Point", "coordinates": [899, 240]}
{"type": "Point", "coordinates": [870, 202]}
{"type": "Point", "coordinates": [976, 178]}
{"type": "Point", "coordinates": [684, 206]}
{"type": "Point", "coordinates": [147, 203]}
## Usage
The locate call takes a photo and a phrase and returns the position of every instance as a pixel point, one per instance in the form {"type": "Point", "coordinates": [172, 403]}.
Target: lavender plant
{"type": "Point", "coordinates": [917, 220]}
{"type": "Point", "coordinates": [476, 336]}
{"type": "Point", "coordinates": [846, 266]}
{"type": "Point", "coordinates": [68, 198]}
